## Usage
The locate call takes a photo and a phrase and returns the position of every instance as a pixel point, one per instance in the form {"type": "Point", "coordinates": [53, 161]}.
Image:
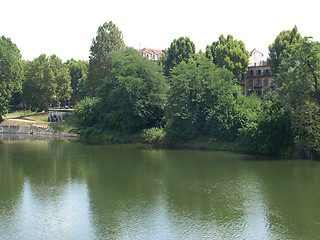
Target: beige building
{"type": "Point", "coordinates": [151, 54]}
{"type": "Point", "coordinates": [258, 79]}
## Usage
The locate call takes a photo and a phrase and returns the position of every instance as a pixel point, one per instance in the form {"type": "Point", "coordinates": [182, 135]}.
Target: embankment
{"type": "Point", "coordinates": [33, 130]}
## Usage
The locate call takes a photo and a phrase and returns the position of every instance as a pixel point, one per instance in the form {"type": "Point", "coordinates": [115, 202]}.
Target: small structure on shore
{"type": "Point", "coordinates": [59, 115]}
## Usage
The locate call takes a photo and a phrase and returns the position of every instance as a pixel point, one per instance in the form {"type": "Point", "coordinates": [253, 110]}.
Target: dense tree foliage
{"type": "Point", "coordinates": [11, 72]}
{"type": "Point", "coordinates": [281, 48]}
{"type": "Point", "coordinates": [203, 101]}
{"type": "Point", "coordinates": [181, 49]}
{"type": "Point", "coordinates": [229, 53]}
{"type": "Point", "coordinates": [297, 84]}
{"type": "Point", "coordinates": [270, 130]}
{"type": "Point", "coordinates": [109, 38]}
{"type": "Point", "coordinates": [78, 73]}
{"type": "Point", "coordinates": [47, 82]}
{"type": "Point", "coordinates": [85, 113]}
{"type": "Point", "coordinates": [132, 93]}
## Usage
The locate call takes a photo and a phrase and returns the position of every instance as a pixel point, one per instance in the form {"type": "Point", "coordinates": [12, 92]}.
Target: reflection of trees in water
{"type": "Point", "coordinates": [212, 192]}
{"type": "Point", "coordinates": [162, 193]}
{"type": "Point", "coordinates": [124, 184]}
{"type": "Point", "coordinates": [11, 186]}
{"type": "Point", "coordinates": [42, 162]}
{"type": "Point", "coordinates": [38, 178]}
{"type": "Point", "coordinates": [292, 197]}
{"type": "Point", "coordinates": [11, 176]}
{"type": "Point", "coordinates": [174, 189]}
{"type": "Point", "coordinates": [197, 194]}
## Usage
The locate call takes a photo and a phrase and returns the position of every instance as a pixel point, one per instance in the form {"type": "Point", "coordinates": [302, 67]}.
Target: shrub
{"type": "Point", "coordinates": [85, 112]}
{"type": "Point", "coordinates": [153, 135]}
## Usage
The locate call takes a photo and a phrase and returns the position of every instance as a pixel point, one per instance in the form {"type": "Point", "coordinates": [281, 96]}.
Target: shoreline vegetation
{"type": "Point", "coordinates": [154, 137]}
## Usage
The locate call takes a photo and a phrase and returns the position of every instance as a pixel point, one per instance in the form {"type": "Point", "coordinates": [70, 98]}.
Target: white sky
{"type": "Point", "coordinates": [66, 27]}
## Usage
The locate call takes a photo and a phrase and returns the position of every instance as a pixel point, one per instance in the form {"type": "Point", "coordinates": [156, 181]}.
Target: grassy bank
{"type": "Point", "coordinates": [156, 137]}
{"type": "Point", "coordinates": [26, 118]}
{"type": "Point", "coordinates": [29, 118]}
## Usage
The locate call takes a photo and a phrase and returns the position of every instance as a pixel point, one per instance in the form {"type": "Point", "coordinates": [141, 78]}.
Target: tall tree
{"type": "Point", "coordinates": [132, 95]}
{"type": "Point", "coordinates": [203, 101]}
{"type": "Point", "coordinates": [62, 78]}
{"type": "Point", "coordinates": [11, 72]}
{"type": "Point", "coordinates": [229, 53]}
{"type": "Point", "coordinates": [297, 82]}
{"type": "Point", "coordinates": [47, 82]}
{"type": "Point", "coordinates": [109, 38]}
{"type": "Point", "coordinates": [181, 49]}
{"type": "Point", "coordinates": [281, 47]}
{"type": "Point", "coordinates": [78, 73]}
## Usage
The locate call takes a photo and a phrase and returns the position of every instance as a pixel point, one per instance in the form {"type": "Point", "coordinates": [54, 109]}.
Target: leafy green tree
{"type": "Point", "coordinates": [229, 53]}
{"type": "Point", "coordinates": [280, 49]}
{"type": "Point", "coordinates": [297, 85]}
{"type": "Point", "coordinates": [181, 49]}
{"type": "Point", "coordinates": [78, 73]}
{"type": "Point", "coordinates": [11, 72]}
{"type": "Point", "coordinates": [270, 131]}
{"type": "Point", "coordinates": [203, 101]}
{"type": "Point", "coordinates": [109, 38]}
{"type": "Point", "coordinates": [62, 78]}
{"type": "Point", "coordinates": [47, 82]}
{"type": "Point", "coordinates": [132, 94]}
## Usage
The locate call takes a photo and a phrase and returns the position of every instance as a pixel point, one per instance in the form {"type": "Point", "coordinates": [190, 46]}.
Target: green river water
{"type": "Point", "coordinates": [62, 189]}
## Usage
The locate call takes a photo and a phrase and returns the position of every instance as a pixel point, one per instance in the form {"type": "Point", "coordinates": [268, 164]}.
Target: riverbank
{"type": "Point", "coordinates": [156, 137]}
{"type": "Point", "coordinates": [34, 123]}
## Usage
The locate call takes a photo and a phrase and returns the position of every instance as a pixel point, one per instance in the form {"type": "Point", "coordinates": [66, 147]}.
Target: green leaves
{"type": "Point", "coordinates": [47, 82]}
{"type": "Point", "coordinates": [109, 38]}
{"type": "Point", "coordinates": [132, 93]}
{"type": "Point", "coordinates": [230, 54]}
{"type": "Point", "coordinates": [78, 73]}
{"type": "Point", "coordinates": [202, 101]}
{"type": "Point", "coordinates": [281, 48]}
{"type": "Point", "coordinates": [181, 49]}
{"type": "Point", "coordinates": [11, 72]}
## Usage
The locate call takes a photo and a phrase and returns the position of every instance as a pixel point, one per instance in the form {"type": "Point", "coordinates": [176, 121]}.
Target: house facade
{"type": "Point", "coordinates": [258, 79]}
{"type": "Point", "coordinates": [151, 54]}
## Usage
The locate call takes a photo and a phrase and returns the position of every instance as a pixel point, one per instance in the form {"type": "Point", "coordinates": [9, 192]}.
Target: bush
{"type": "Point", "coordinates": [153, 135]}
{"type": "Point", "coordinates": [270, 133]}
{"type": "Point", "coordinates": [85, 112]}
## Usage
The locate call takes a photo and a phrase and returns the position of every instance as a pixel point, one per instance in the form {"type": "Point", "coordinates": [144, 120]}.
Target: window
{"type": "Point", "coordinates": [259, 72]}
{"type": "Point", "coordinates": [250, 84]}
{"type": "Point", "coordinates": [258, 83]}
{"type": "Point", "coordinates": [265, 82]}
{"type": "Point", "coordinates": [267, 72]}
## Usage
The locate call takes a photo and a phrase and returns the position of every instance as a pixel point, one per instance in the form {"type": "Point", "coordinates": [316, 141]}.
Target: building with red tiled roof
{"type": "Point", "coordinates": [151, 54]}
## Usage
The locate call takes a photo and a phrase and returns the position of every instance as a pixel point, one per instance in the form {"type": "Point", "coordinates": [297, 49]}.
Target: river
{"type": "Point", "coordinates": [64, 189]}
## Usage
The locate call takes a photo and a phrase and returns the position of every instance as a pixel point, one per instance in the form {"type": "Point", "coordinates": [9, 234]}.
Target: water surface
{"type": "Point", "coordinates": [61, 189]}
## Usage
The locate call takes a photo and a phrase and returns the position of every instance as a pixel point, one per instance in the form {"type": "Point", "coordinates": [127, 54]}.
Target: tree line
{"type": "Point", "coordinates": [184, 96]}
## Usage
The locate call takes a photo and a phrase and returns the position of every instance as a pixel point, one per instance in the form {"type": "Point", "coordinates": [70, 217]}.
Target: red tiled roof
{"type": "Point", "coordinates": [149, 50]}
{"type": "Point", "coordinates": [250, 53]}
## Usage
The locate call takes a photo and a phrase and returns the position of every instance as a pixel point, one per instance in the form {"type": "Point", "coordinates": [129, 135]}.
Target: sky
{"type": "Point", "coordinates": [66, 27]}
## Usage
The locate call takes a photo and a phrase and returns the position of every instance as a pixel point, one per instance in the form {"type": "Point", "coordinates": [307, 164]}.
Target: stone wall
{"type": "Point", "coordinates": [25, 130]}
